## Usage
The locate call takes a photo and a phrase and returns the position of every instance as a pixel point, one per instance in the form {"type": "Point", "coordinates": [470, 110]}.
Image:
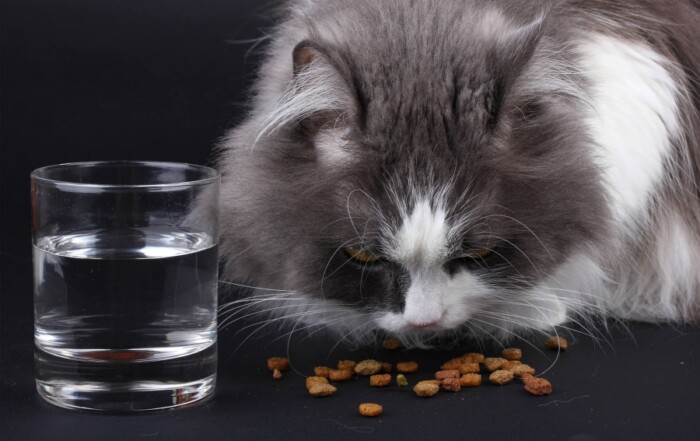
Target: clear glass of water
{"type": "Point", "coordinates": [125, 284]}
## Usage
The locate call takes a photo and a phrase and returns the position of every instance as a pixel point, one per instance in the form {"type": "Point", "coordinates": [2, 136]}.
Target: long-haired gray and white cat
{"type": "Point", "coordinates": [469, 167]}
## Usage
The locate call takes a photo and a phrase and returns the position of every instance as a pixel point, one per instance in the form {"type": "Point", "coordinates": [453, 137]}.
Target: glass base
{"type": "Point", "coordinates": [116, 383]}
{"type": "Point", "coordinates": [129, 397]}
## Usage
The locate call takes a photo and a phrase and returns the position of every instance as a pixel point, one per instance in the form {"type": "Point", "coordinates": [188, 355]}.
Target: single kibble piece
{"type": "Point", "coordinates": [407, 367]}
{"type": "Point", "coordinates": [346, 364]}
{"type": "Point", "coordinates": [493, 363]}
{"type": "Point", "coordinates": [426, 388]}
{"type": "Point", "coordinates": [401, 380]}
{"type": "Point", "coordinates": [312, 381]}
{"type": "Point", "coordinates": [509, 365]}
{"type": "Point", "coordinates": [556, 343]}
{"type": "Point", "coordinates": [380, 380]}
{"type": "Point", "coordinates": [455, 363]}
{"type": "Point", "coordinates": [368, 367]}
{"type": "Point", "coordinates": [451, 384]}
{"type": "Point", "coordinates": [277, 374]}
{"type": "Point", "coordinates": [470, 380]}
{"type": "Point", "coordinates": [391, 344]}
{"type": "Point", "coordinates": [474, 357]}
{"type": "Point", "coordinates": [522, 369]}
{"type": "Point", "coordinates": [322, 371]}
{"type": "Point", "coordinates": [501, 377]}
{"type": "Point", "coordinates": [280, 363]}
{"type": "Point", "coordinates": [512, 354]}
{"type": "Point", "coordinates": [469, 368]}
{"type": "Point", "coordinates": [386, 367]}
{"type": "Point", "coordinates": [537, 386]}
{"type": "Point", "coordinates": [370, 409]}
{"type": "Point", "coordinates": [339, 374]}
{"type": "Point", "coordinates": [322, 390]}
{"type": "Point", "coordinates": [441, 375]}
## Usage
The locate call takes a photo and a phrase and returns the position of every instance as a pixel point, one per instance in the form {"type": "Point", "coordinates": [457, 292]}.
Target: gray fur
{"type": "Point", "coordinates": [429, 93]}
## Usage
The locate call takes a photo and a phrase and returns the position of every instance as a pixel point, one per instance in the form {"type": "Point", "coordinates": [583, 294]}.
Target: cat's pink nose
{"type": "Point", "coordinates": [423, 308]}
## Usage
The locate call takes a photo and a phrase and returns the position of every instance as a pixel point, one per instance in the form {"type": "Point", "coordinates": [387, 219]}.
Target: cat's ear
{"type": "Point", "coordinates": [512, 40]}
{"type": "Point", "coordinates": [519, 42]}
{"type": "Point", "coordinates": [512, 48]}
{"type": "Point", "coordinates": [320, 89]}
{"type": "Point", "coordinates": [303, 55]}
{"type": "Point", "coordinates": [318, 97]}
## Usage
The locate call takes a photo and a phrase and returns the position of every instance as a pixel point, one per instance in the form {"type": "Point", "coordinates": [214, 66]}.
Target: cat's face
{"type": "Point", "coordinates": [416, 195]}
{"type": "Point", "coordinates": [435, 238]}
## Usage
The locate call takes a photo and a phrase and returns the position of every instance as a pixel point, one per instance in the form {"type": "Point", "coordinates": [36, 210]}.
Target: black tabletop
{"type": "Point", "coordinates": [162, 80]}
{"type": "Point", "coordinates": [637, 382]}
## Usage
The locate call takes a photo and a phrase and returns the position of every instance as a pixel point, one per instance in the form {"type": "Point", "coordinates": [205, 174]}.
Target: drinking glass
{"type": "Point", "coordinates": [125, 284]}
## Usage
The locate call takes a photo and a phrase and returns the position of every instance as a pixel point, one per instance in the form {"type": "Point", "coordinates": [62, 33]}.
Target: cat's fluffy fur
{"type": "Point", "coordinates": [561, 135]}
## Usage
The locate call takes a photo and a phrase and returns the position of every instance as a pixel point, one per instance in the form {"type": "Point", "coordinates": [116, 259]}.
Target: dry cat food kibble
{"type": "Point", "coordinates": [455, 363]}
{"type": "Point", "coordinates": [473, 357]}
{"type": "Point", "coordinates": [370, 409]}
{"type": "Point", "coordinates": [368, 367]}
{"type": "Point", "coordinates": [522, 369]}
{"type": "Point", "coordinates": [311, 381]}
{"type": "Point", "coordinates": [391, 344]}
{"type": "Point", "coordinates": [512, 354]}
{"type": "Point", "coordinates": [441, 375]}
{"type": "Point", "coordinates": [509, 365]}
{"type": "Point", "coordinates": [556, 343]}
{"type": "Point", "coordinates": [280, 363]}
{"type": "Point", "coordinates": [322, 390]}
{"type": "Point", "coordinates": [469, 368]}
{"type": "Point", "coordinates": [339, 374]}
{"type": "Point", "coordinates": [493, 363]}
{"type": "Point", "coordinates": [380, 380]}
{"type": "Point", "coordinates": [346, 364]}
{"type": "Point", "coordinates": [455, 374]}
{"type": "Point", "coordinates": [537, 386]}
{"type": "Point", "coordinates": [470, 380]}
{"type": "Point", "coordinates": [407, 367]}
{"type": "Point", "coordinates": [451, 384]}
{"type": "Point", "coordinates": [322, 371]}
{"type": "Point", "coordinates": [426, 388]}
{"type": "Point", "coordinates": [501, 377]}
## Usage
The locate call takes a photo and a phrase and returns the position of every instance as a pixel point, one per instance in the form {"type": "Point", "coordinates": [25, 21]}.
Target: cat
{"type": "Point", "coordinates": [468, 167]}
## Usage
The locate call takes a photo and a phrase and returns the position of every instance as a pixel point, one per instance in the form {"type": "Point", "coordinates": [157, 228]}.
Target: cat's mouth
{"type": "Point", "coordinates": [398, 323]}
{"type": "Point", "coordinates": [424, 326]}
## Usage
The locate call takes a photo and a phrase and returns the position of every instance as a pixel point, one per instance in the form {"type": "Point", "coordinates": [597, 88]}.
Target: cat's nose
{"type": "Point", "coordinates": [423, 308]}
{"type": "Point", "coordinates": [422, 317]}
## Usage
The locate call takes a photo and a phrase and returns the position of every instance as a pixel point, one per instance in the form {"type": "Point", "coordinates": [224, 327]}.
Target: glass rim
{"type": "Point", "coordinates": [214, 174]}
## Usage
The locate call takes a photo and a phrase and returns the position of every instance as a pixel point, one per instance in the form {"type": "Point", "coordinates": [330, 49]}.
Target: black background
{"type": "Point", "coordinates": [162, 80]}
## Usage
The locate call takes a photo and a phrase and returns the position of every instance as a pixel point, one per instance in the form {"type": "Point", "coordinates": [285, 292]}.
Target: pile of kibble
{"type": "Point", "coordinates": [464, 371]}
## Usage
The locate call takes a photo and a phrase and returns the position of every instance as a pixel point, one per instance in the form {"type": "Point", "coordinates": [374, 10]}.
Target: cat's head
{"type": "Point", "coordinates": [413, 169]}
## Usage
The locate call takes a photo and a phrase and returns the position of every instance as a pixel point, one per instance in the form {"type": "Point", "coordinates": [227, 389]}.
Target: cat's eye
{"type": "Point", "coordinates": [478, 258]}
{"type": "Point", "coordinates": [361, 256]}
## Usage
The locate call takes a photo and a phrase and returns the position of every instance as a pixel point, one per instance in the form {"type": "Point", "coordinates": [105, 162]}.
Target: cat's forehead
{"type": "Point", "coordinates": [413, 77]}
{"type": "Point", "coordinates": [422, 237]}
{"type": "Point", "coordinates": [419, 85]}
{"type": "Point", "coordinates": [423, 225]}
